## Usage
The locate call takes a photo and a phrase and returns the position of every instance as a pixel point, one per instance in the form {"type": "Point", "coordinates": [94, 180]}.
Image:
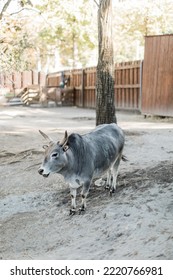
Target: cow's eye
{"type": "Point", "coordinates": [54, 155]}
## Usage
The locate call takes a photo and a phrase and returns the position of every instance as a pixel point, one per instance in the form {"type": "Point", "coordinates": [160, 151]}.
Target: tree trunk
{"type": "Point", "coordinates": [105, 107]}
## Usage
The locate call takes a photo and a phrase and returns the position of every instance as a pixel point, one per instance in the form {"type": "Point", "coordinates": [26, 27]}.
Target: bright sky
{"type": "Point", "coordinates": [14, 6]}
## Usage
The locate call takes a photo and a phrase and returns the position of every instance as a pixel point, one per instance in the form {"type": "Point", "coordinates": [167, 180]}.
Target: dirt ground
{"type": "Point", "coordinates": [135, 223]}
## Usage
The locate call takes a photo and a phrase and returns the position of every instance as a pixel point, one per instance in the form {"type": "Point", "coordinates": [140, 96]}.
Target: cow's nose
{"type": "Point", "coordinates": [40, 171]}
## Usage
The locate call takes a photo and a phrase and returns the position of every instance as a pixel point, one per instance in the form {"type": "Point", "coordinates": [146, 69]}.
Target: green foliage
{"type": "Point", "coordinates": [54, 33]}
{"type": "Point", "coordinates": [69, 30]}
{"type": "Point", "coordinates": [133, 20]}
{"type": "Point", "coordinates": [14, 46]}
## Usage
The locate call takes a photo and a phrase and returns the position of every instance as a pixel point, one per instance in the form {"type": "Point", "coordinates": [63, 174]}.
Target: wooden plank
{"type": "Point", "coordinates": [131, 89]}
{"type": "Point", "coordinates": [26, 78]}
{"type": "Point", "coordinates": [42, 79]}
{"type": "Point", "coordinates": [2, 79]}
{"type": "Point", "coordinates": [82, 87]}
{"type": "Point", "coordinates": [169, 88]}
{"type": "Point", "coordinates": [17, 80]}
{"type": "Point", "coordinates": [166, 78]}
{"type": "Point", "coordinates": [128, 86]}
{"type": "Point", "coordinates": [144, 79]}
{"type": "Point", "coordinates": [35, 78]}
{"type": "Point", "coordinates": [135, 105]}
{"type": "Point", "coordinates": [8, 81]}
{"type": "Point", "coordinates": [124, 67]}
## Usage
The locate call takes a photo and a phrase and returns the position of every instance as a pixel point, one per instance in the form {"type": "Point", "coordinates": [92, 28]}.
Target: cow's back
{"type": "Point", "coordinates": [106, 135]}
{"type": "Point", "coordinates": [96, 150]}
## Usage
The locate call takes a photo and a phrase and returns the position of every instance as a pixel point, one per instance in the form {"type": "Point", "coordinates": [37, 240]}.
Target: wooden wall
{"type": "Point", "coordinates": [157, 85]}
{"type": "Point", "coordinates": [127, 85]}
{"type": "Point", "coordinates": [19, 80]}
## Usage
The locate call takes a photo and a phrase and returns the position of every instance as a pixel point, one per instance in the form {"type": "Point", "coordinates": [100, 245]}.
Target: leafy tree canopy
{"type": "Point", "coordinates": [52, 34]}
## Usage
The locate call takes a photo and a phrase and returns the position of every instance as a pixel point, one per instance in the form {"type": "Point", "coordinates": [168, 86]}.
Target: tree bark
{"type": "Point", "coordinates": [105, 107]}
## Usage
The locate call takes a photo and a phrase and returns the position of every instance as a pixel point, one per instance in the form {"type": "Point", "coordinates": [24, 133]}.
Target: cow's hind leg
{"type": "Point", "coordinates": [73, 201]}
{"type": "Point", "coordinates": [115, 174]}
{"type": "Point", "coordinates": [84, 194]}
{"type": "Point", "coordinates": [109, 179]}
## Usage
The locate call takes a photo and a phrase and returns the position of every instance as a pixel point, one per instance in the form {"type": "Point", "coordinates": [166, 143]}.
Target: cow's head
{"type": "Point", "coordinates": [55, 158]}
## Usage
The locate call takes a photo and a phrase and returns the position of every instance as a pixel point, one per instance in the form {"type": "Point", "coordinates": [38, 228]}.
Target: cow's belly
{"type": "Point", "coordinates": [75, 181]}
{"type": "Point", "coordinates": [98, 173]}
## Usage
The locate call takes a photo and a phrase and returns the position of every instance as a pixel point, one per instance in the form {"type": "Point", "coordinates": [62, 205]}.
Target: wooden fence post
{"type": "Point", "coordinates": [82, 87]}
{"type": "Point", "coordinates": [140, 89]}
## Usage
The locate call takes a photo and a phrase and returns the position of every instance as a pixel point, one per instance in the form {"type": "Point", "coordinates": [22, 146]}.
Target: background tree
{"type": "Point", "coordinates": [133, 20]}
{"type": "Point", "coordinates": [71, 30]}
{"type": "Point", "coordinates": [65, 32]}
{"type": "Point", "coordinates": [105, 107]}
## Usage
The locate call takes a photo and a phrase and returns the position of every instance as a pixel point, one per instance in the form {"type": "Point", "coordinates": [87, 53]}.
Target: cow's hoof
{"type": "Point", "coordinates": [81, 210]}
{"type": "Point", "coordinates": [107, 187]}
{"type": "Point", "coordinates": [72, 212]}
{"type": "Point", "coordinates": [111, 191]}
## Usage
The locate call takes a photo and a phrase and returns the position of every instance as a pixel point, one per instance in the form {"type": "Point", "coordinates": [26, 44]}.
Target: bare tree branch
{"type": "Point", "coordinates": [5, 7]}
{"type": "Point", "coordinates": [25, 8]}
{"type": "Point", "coordinates": [96, 3]}
{"type": "Point", "coordinates": [36, 11]}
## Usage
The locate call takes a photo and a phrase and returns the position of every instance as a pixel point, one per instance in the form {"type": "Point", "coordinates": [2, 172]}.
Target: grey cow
{"type": "Point", "coordinates": [81, 158]}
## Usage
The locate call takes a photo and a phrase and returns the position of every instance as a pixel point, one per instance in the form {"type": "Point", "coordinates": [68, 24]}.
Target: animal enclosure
{"type": "Point", "coordinates": [18, 80]}
{"type": "Point", "coordinates": [127, 84]}
{"type": "Point", "coordinates": [145, 86]}
{"type": "Point", "coordinates": [35, 220]}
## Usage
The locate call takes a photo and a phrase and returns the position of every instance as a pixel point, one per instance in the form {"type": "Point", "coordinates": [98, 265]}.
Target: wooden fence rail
{"type": "Point", "coordinates": [19, 80]}
{"type": "Point", "coordinates": [127, 84]}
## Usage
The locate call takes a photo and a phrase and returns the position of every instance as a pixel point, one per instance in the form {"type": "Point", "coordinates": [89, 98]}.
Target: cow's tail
{"type": "Point", "coordinates": [124, 158]}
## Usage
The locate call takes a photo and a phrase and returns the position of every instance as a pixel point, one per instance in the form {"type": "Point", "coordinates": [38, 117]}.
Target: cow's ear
{"type": "Point", "coordinates": [65, 148]}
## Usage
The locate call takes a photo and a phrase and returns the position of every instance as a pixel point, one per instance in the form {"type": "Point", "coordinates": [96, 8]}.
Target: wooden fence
{"type": "Point", "coordinates": [143, 86]}
{"type": "Point", "coordinates": [127, 85]}
{"type": "Point", "coordinates": [128, 77]}
{"type": "Point", "coordinates": [19, 80]}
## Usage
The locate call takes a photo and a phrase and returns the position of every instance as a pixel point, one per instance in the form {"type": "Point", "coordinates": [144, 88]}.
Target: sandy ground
{"type": "Point", "coordinates": [135, 223]}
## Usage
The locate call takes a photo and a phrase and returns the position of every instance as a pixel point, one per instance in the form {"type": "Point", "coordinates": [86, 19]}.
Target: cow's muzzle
{"type": "Point", "coordinates": [40, 171]}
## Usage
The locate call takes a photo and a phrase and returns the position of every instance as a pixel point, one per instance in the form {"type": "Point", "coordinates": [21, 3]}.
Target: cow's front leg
{"type": "Point", "coordinates": [84, 194]}
{"type": "Point", "coordinates": [73, 201]}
